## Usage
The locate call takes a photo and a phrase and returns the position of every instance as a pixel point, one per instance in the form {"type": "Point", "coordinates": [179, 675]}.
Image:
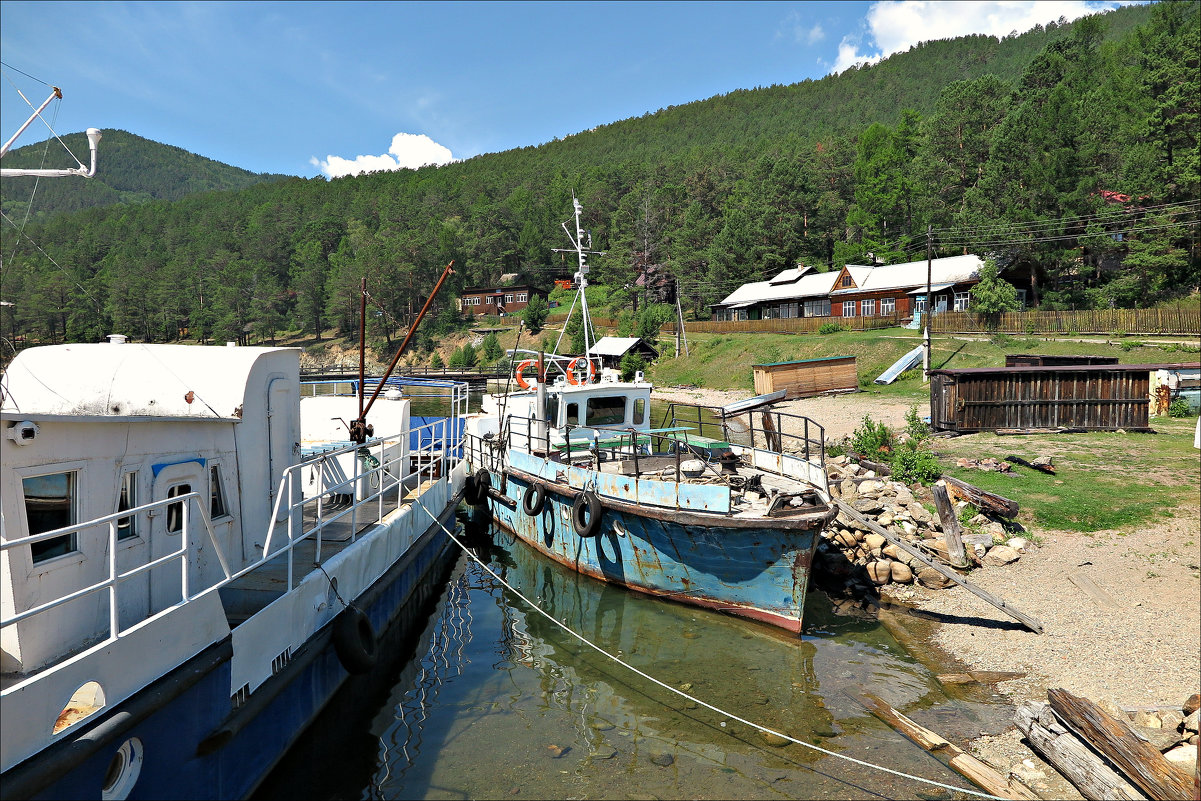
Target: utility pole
{"type": "Point", "coordinates": [929, 305]}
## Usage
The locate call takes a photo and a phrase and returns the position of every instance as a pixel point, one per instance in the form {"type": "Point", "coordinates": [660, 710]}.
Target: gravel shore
{"type": "Point", "coordinates": [1144, 652]}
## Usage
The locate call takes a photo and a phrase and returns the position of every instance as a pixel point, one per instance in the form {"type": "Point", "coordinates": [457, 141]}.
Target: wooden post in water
{"type": "Point", "coordinates": [952, 534]}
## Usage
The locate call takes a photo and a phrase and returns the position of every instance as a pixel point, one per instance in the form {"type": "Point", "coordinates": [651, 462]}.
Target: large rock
{"type": "Point", "coordinates": [1192, 705]}
{"type": "Point", "coordinates": [901, 573]}
{"type": "Point", "coordinates": [929, 577]}
{"type": "Point", "coordinates": [1183, 756]}
{"type": "Point", "coordinates": [880, 572]}
{"type": "Point", "coordinates": [1001, 555]}
{"type": "Point", "coordinates": [874, 541]}
{"type": "Point", "coordinates": [867, 506]}
{"type": "Point", "coordinates": [885, 519]}
{"type": "Point", "coordinates": [849, 491]}
{"type": "Point", "coordinates": [920, 513]}
{"type": "Point", "coordinates": [871, 488]}
{"type": "Point", "coordinates": [1191, 721]}
{"type": "Point", "coordinates": [1019, 544]}
{"type": "Point", "coordinates": [846, 539]}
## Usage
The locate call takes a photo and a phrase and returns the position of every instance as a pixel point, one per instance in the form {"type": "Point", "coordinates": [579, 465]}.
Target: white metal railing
{"type": "Point", "coordinates": [439, 450]}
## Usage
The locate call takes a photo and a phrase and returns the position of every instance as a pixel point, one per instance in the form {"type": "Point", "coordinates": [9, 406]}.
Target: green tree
{"type": "Point", "coordinates": [993, 295]}
{"type": "Point", "coordinates": [535, 313]}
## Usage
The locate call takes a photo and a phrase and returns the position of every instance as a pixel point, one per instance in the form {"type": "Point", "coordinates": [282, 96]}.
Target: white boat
{"type": "Point", "coordinates": [706, 509]}
{"type": "Point", "coordinates": [193, 558]}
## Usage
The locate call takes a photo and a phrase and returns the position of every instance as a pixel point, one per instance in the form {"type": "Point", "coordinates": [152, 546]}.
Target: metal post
{"type": "Point", "coordinates": [113, 618]}
{"type": "Point", "coordinates": [929, 304]}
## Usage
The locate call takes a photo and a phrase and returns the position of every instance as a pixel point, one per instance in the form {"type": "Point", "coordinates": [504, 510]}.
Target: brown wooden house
{"type": "Point", "coordinates": [496, 300]}
{"type": "Point", "coordinates": [898, 290]}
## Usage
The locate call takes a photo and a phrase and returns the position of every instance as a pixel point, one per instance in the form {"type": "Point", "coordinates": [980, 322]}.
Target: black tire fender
{"type": "Point", "coordinates": [354, 641]}
{"type": "Point", "coordinates": [533, 499]}
{"type": "Point", "coordinates": [586, 514]}
{"type": "Point", "coordinates": [476, 490]}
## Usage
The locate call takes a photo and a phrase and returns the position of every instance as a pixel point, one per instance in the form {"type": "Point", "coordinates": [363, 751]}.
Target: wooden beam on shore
{"type": "Point", "coordinates": [1029, 622]}
{"type": "Point", "coordinates": [1117, 742]}
{"type": "Point", "coordinates": [981, 499]}
{"type": "Point", "coordinates": [1091, 775]}
{"type": "Point", "coordinates": [952, 534]}
{"type": "Point", "coordinates": [978, 773]}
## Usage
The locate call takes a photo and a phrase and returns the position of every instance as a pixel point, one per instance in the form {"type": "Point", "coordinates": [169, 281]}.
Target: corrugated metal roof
{"type": "Point", "coordinates": [921, 290]}
{"type": "Point", "coordinates": [612, 346]}
{"type": "Point", "coordinates": [810, 285]}
{"type": "Point", "coordinates": [950, 270]}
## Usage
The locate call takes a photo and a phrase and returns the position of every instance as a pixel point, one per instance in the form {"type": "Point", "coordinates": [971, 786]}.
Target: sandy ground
{"type": "Point", "coordinates": [1143, 651]}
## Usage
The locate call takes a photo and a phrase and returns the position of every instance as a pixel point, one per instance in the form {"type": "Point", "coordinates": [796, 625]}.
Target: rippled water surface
{"type": "Point", "coordinates": [499, 702]}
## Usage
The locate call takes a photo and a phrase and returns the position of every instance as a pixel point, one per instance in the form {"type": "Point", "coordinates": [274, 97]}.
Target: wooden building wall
{"type": "Point", "coordinates": [807, 378]}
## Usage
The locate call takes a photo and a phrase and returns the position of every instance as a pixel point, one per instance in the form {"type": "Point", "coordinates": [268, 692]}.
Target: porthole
{"type": "Point", "coordinates": [123, 771]}
{"type": "Point", "coordinates": [85, 702]}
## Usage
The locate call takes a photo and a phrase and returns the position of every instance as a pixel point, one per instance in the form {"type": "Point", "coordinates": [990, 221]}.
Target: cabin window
{"type": "Point", "coordinates": [51, 503]}
{"type": "Point", "coordinates": [867, 308]}
{"type": "Point", "coordinates": [817, 308]}
{"type": "Point", "coordinates": [607, 411]}
{"type": "Point", "coordinates": [847, 280]}
{"type": "Point", "coordinates": [552, 410]}
{"type": "Point", "coordinates": [175, 510]}
{"type": "Point", "coordinates": [888, 305]}
{"type": "Point", "coordinates": [217, 507]}
{"type": "Point", "coordinates": [961, 301]}
{"type": "Point", "coordinates": [848, 308]}
{"type": "Point", "coordinates": [639, 411]}
{"type": "Point", "coordinates": [573, 414]}
{"type": "Point", "coordinates": [127, 527]}
{"type": "Point", "coordinates": [1021, 300]}
{"type": "Point", "coordinates": [523, 297]}
{"type": "Point", "coordinates": [919, 304]}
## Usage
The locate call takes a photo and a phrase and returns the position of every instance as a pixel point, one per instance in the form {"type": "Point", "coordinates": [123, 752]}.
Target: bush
{"type": "Point", "coordinates": [631, 363]}
{"type": "Point", "coordinates": [436, 361]}
{"type": "Point", "coordinates": [492, 348]}
{"type": "Point", "coordinates": [830, 328]}
{"type": "Point", "coordinates": [915, 427]}
{"type": "Point", "coordinates": [1179, 408]}
{"type": "Point", "coordinates": [1129, 346]}
{"type": "Point", "coordinates": [535, 313]}
{"type": "Point", "coordinates": [873, 440]}
{"type": "Point", "coordinates": [913, 463]}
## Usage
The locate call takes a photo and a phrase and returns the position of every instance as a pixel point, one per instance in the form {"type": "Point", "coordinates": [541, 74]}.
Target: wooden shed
{"type": "Point", "coordinates": [807, 378]}
{"type": "Point", "coordinates": [1096, 397]}
{"type": "Point", "coordinates": [1038, 360]}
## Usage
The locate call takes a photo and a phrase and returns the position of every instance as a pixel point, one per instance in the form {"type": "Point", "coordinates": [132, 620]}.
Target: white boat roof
{"type": "Point", "coordinates": [137, 380]}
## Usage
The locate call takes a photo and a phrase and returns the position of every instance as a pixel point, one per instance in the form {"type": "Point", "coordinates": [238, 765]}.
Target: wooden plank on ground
{"type": "Point", "coordinates": [1117, 742]}
{"type": "Point", "coordinates": [1093, 777]}
{"type": "Point", "coordinates": [981, 499]}
{"type": "Point", "coordinates": [1027, 621]}
{"type": "Point", "coordinates": [982, 775]}
{"type": "Point", "coordinates": [952, 535]}
{"type": "Point", "coordinates": [1089, 587]}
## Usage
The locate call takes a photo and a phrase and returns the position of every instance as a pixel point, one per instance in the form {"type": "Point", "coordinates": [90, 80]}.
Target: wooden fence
{"type": "Point", "coordinates": [1097, 321]}
{"type": "Point", "coordinates": [783, 325]}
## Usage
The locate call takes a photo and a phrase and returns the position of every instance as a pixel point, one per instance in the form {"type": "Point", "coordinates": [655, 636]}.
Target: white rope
{"type": "Point", "coordinates": [681, 693]}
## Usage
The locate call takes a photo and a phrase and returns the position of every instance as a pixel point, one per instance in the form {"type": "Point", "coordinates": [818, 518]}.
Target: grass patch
{"type": "Point", "coordinates": [1105, 481]}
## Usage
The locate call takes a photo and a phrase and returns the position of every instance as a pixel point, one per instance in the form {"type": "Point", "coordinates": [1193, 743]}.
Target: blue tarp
{"type": "Point", "coordinates": [421, 437]}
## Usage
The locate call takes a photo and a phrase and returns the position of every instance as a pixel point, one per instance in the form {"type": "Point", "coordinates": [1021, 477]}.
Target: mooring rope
{"type": "Point", "coordinates": [681, 693]}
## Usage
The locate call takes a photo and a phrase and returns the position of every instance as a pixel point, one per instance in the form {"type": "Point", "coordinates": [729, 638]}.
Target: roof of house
{"type": "Point", "coordinates": [615, 346]}
{"type": "Point", "coordinates": [946, 271]}
{"type": "Point", "coordinates": [796, 282]}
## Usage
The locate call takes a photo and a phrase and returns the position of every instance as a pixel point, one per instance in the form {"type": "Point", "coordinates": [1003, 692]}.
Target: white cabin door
{"type": "Point", "coordinates": [167, 534]}
{"type": "Point", "coordinates": [283, 440]}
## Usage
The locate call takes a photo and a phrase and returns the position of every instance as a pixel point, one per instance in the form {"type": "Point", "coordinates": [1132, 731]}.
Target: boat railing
{"type": "Point", "coordinates": [439, 451]}
{"type": "Point", "coordinates": [183, 503]}
{"type": "Point", "coordinates": [776, 431]}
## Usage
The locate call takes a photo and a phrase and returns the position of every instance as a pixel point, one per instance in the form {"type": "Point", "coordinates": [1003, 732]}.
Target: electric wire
{"type": "Point", "coordinates": [681, 693]}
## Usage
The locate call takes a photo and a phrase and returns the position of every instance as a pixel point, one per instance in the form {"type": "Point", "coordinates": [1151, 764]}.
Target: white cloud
{"type": "Point", "coordinates": [814, 35]}
{"type": "Point", "coordinates": [407, 152]}
{"type": "Point", "coordinates": [896, 25]}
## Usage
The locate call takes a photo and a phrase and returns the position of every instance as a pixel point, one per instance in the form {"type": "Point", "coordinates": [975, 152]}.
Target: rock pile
{"type": "Point", "coordinates": [861, 559]}
{"type": "Point", "coordinates": [1172, 732]}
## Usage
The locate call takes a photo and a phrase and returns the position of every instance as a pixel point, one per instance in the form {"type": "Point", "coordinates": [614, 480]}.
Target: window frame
{"type": "Point", "coordinates": [966, 297]}
{"type": "Point", "coordinates": [589, 410]}
{"type": "Point", "coordinates": [849, 305]}
{"type": "Point", "coordinates": [127, 498]}
{"type": "Point", "coordinates": [867, 307]}
{"type": "Point", "coordinates": [75, 471]}
{"type": "Point", "coordinates": [891, 304]}
{"type": "Point", "coordinates": [217, 493]}
{"type": "Point", "coordinates": [174, 517]}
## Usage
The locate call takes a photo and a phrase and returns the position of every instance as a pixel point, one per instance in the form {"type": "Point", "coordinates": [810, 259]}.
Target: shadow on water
{"type": "Point", "coordinates": [498, 701]}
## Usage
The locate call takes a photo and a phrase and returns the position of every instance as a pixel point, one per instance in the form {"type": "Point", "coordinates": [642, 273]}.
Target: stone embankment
{"type": "Point", "coordinates": [861, 559]}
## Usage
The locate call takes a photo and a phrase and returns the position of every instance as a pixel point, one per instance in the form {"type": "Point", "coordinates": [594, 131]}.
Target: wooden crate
{"type": "Point", "coordinates": [807, 378]}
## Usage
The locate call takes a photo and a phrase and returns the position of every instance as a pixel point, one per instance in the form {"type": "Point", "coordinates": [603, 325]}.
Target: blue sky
{"type": "Point", "coordinates": [329, 88]}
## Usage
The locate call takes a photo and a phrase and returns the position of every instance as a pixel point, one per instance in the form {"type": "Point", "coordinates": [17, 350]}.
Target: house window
{"type": "Point", "coordinates": [961, 301]}
{"type": "Point", "coordinates": [175, 510]}
{"type": "Point", "coordinates": [217, 507]}
{"type": "Point", "coordinates": [523, 297]}
{"type": "Point", "coordinates": [50, 503]}
{"type": "Point", "coordinates": [1021, 300]}
{"type": "Point", "coordinates": [127, 527]}
{"type": "Point", "coordinates": [509, 298]}
{"type": "Point", "coordinates": [919, 304]}
{"type": "Point", "coordinates": [489, 300]}
{"type": "Point", "coordinates": [888, 306]}
{"type": "Point", "coordinates": [740, 314]}
{"type": "Point", "coordinates": [867, 308]}
{"type": "Point", "coordinates": [848, 308]}
{"type": "Point", "coordinates": [817, 308]}
{"type": "Point", "coordinates": [847, 280]}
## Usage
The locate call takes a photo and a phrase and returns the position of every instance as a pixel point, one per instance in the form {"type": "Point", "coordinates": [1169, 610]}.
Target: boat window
{"type": "Point", "coordinates": [175, 510]}
{"type": "Point", "coordinates": [573, 414]}
{"type": "Point", "coordinates": [127, 527]}
{"type": "Point", "coordinates": [50, 503]}
{"type": "Point", "coordinates": [639, 411]}
{"type": "Point", "coordinates": [607, 411]}
{"type": "Point", "coordinates": [552, 410]}
{"type": "Point", "coordinates": [217, 506]}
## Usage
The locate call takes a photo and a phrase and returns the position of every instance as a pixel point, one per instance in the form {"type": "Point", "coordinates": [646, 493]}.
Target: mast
{"type": "Point", "coordinates": [582, 246]}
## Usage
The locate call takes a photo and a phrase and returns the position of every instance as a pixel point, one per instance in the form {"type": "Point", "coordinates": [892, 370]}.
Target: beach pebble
{"type": "Point", "coordinates": [775, 740]}
{"type": "Point", "coordinates": [901, 573]}
{"type": "Point", "coordinates": [1001, 555]}
{"type": "Point", "coordinates": [879, 572]}
{"type": "Point", "coordinates": [662, 758]}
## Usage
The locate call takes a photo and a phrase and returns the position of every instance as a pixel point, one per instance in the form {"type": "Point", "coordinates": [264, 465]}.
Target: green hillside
{"type": "Point", "coordinates": [1068, 153]}
{"type": "Point", "coordinates": [131, 170]}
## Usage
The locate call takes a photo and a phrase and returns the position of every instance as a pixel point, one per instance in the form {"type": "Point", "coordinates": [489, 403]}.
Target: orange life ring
{"type": "Point", "coordinates": [521, 382]}
{"type": "Point", "coordinates": [571, 379]}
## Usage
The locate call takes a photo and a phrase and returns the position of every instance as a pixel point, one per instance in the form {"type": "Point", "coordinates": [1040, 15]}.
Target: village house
{"type": "Point", "coordinates": [611, 350]}
{"type": "Point", "coordinates": [796, 292]}
{"type": "Point", "coordinates": [496, 300]}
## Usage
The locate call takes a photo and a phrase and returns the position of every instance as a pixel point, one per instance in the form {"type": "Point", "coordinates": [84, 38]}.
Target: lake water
{"type": "Point", "coordinates": [493, 700]}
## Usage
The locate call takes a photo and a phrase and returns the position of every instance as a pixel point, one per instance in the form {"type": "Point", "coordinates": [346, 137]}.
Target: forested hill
{"type": "Point", "coordinates": [132, 170]}
{"type": "Point", "coordinates": [1069, 153]}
